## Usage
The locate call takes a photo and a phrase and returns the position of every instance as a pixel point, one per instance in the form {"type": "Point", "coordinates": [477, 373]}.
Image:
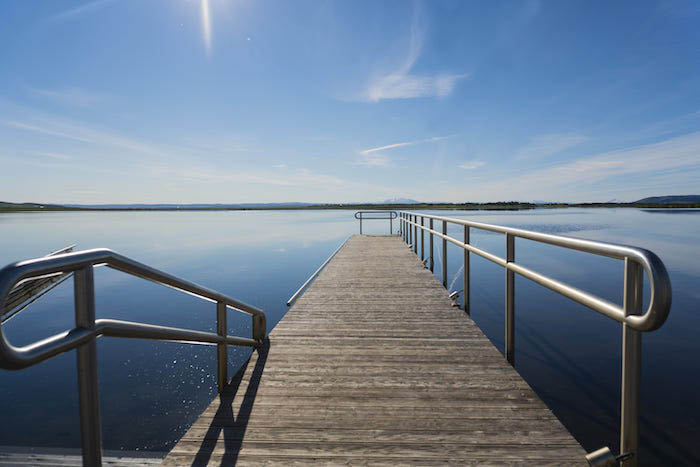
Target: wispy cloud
{"type": "Point", "coordinates": [635, 171]}
{"type": "Point", "coordinates": [79, 10]}
{"type": "Point", "coordinates": [401, 83]}
{"type": "Point", "coordinates": [471, 165]}
{"type": "Point", "coordinates": [405, 143]}
{"type": "Point", "coordinates": [43, 130]}
{"type": "Point", "coordinates": [388, 146]}
{"type": "Point", "coordinates": [54, 155]}
{"type": "Point", "coordinates": [374, 160]}
{"type": "Point", "coordinates": [279, 166]}
{"type": "Point", "coordinates": [73, 97]}
{"type": "Point", "coordinates": [198, 173]}
{"type": "Point", "coordinates": [543, 146]}
{"type": "Point", "coordinates": [63, 128]}
{"type": "Point", "coordinates": [374, 157]}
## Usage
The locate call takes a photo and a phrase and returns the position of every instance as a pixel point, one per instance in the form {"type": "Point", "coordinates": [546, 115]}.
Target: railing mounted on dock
{"type": "Point", "coordinates": [634, 321]}
{"type": "Point", "coordinates": [87, 329]}
{"type": "Point", "coordinates": [313, 276]}
{"type": "Point", "coordinates": [377, 215]}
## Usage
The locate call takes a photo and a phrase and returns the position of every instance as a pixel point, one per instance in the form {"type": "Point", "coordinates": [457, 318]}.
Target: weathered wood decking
{"type": "Point", "coordinates": [373, 366]}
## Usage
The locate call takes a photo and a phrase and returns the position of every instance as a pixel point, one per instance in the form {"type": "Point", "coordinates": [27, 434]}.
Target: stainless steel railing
{"type": "Point", "coordinates": [87, 329]}
{"type": "Point", "coordinates": [376, 215]}
{"type": "Point", "coordinates": [634, 320]}
{"type": "Point", "coordinates": [311, 278]}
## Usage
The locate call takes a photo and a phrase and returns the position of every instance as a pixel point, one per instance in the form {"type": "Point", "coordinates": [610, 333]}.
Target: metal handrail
{"type": "Point", "coordinates": [88, 329]}
{"type": "Point", "coordinates": [633, 319]}
{"type": "Point", "coordinates": [391, 216]}
{"type": "Point", "coordinates": [303, 287]}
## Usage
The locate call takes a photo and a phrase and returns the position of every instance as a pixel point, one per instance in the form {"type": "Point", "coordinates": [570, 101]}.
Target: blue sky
{"type": "Point", "coordinates": [182, 101]}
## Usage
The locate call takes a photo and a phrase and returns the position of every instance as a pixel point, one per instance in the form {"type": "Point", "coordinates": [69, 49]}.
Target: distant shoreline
{"type": "Point", "coordinates": [496, 206]}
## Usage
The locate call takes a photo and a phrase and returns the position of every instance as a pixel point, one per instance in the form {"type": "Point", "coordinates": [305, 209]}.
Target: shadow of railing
{"type": "Point", "coordinates": [233, 425]}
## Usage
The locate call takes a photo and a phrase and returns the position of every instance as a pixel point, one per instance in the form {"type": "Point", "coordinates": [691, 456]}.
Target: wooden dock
{"type": "Point", "coordinates": [374, 366]}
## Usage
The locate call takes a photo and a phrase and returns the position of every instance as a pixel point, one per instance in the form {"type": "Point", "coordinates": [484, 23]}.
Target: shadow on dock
{"type": "Point", "coordinates": [233, 426]}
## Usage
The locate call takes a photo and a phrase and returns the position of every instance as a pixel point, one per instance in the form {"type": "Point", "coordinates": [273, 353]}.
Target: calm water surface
{"type": "Point", "coordinates": [152, 392]}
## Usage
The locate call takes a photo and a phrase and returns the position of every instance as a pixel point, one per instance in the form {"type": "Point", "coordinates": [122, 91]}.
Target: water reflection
{"type": "Point", "coordinates": [568, 354]}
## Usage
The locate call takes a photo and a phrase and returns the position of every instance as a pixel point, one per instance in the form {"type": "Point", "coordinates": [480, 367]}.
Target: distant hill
{"type": "Point", "coordinates": [5, 206]}
{"type": "Point", "coordinates": [671, 199]}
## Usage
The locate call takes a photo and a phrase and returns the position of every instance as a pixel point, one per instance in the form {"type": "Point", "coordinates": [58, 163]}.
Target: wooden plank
{"type": "Point", "coordinates": [37, 459]}
{"type": "Point", "coordinates": [373, 366]}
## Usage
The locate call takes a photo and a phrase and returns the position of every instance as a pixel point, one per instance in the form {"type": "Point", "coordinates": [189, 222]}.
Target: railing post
{"type": "Point", "coordinates": [259, 327]}
{"type": "Point", "coordinates": [407, 233]}
{"type": "Point", "coordinates": [466, 271]}
{"type": "Point", "coordinates": [360, 223]}
{"type": "Point", "coordinates": [444, 255]}
{"type": "Point", "coordinates": [510, 301]}
{"type": "Point", "coordinates": [403, 227]}
{"type": "Point", "coordinates": [432, 262]}
{"type": "Point", "coordinates": [391, 223]}
{"type": "Point", "coordinates": [415, 235]}
{"type": "Point", "coordinates": [221, 349]}
{"type": "Point", "coordinates": [422, 239]}
{"type": "Point", "coordinates": [631, 365]}
{"type": "Point", "coordinates": [88, 388]}
{"type": "Point", "coordinates": [410, 230]}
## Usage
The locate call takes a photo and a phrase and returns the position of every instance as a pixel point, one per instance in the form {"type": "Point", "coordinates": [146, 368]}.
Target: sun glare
{"type": "Point", "coordinates": [206, 25]}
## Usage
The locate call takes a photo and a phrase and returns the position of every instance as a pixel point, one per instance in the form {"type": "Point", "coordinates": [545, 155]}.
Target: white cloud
{"type": "Point", "coordinates": [44, 130]}
{"type": "Point", "coordinates": [79, 10]}
{"type": "Point", "coordinates": [634, 171]}
{"type": "Point", "coordinates": [63, 128]}
{"type": "Point", "coordinates": [405, 86]}
{"type": "Point", "coordinates": [53, 155]}
{"type": "Point", "coordinates": [198, 173]}
{"type": "Point", "coordinates": [546, 145]}
{"type": "Point", "coordinates": [388, 146]}
{"type": "Point", "coordinates": [405, 143]}
{"type": "Point", "coordinates": [374, 157]}
{"type": "Point", "coordinates": [470, 165]}
{"type": "Point", "coordinates": [400, 83]}
{"type": "Point", "coordinates": [69, 96]}
{"type": "Point", "coordinates": [279, 166]}
{"type": "Point", "coordinates": [374, 160]}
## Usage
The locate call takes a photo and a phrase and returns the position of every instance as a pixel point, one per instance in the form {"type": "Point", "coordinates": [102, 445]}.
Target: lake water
{"type": "Point", "coordinates": [151, 391]}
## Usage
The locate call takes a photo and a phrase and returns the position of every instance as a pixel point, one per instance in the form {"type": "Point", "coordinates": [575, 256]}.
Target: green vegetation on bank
{"type": "Point", "coordinates": [494, 206]}
{"type": "Point", "coordinates": [16, 207]}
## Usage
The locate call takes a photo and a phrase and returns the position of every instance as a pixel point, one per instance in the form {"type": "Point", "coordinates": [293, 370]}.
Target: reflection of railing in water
{"type": "Point", "coordinates": [636, 260]}
{"type": "Point", "coordinates": [303, 287]}
{"type": "Point", "coordinates": [29, 291]}
{"type": "Point", "coordinates": [391, 215]}
{"type": "Point", "coordinates": [88, 329]}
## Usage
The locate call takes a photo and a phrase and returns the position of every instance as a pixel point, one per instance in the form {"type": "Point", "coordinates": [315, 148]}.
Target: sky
{"type": "Point", "coordinates": [237, 101]}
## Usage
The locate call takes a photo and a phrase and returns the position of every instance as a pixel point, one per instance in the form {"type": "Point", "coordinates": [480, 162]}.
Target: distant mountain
{"type": "Point", "coordinates": [671, 199]}
{"type": "Point", "coordinates": [400, 201]}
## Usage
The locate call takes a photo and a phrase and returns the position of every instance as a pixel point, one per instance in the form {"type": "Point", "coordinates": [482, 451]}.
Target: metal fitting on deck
{"type": "Point", "coordinates": [604, 457]}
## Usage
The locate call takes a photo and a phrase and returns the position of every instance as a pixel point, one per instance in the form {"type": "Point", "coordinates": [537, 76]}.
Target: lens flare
{"type": "Point", "coordinates": [206, 26]}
